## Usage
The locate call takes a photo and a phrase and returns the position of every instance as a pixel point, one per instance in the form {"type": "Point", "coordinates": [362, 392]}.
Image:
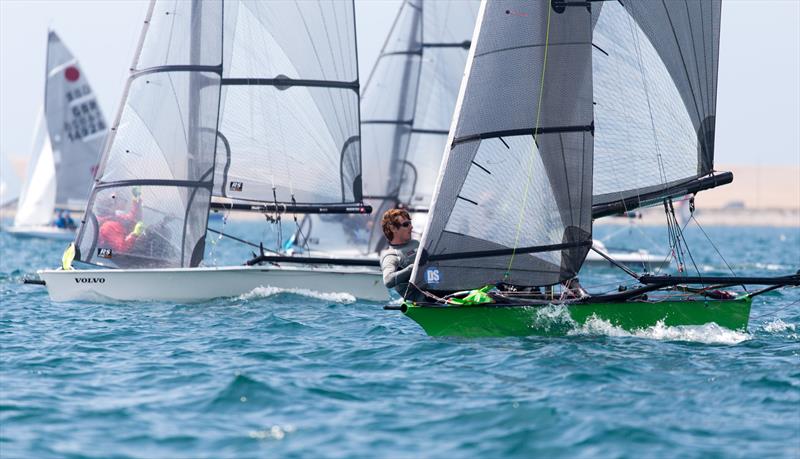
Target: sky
{"type": "Point", "coordinates": [758, 99]}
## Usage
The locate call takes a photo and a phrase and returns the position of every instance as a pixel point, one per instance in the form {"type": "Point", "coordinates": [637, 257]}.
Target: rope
{"type": "Point", "coordinates": [774, 312]}
{"type": "Point", "coordinates": [506, 275]}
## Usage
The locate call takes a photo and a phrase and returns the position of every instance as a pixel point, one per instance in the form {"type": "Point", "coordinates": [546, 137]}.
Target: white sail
{"type": "Point", "coordinates": [250, 100]}
{"type": "Point", "coordinates": [38, 195]}
{"type": "Point", "coordinates": [75, 123]}
{"type": "Point", "coordinates": [67, 142]}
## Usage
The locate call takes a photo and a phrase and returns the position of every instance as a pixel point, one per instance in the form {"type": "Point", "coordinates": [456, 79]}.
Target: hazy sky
{"type": "Point", "coordinates": [758, 105]}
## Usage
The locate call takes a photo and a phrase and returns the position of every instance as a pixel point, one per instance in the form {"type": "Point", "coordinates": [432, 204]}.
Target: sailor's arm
{"type": "Point", "coordinates": [392, 274]}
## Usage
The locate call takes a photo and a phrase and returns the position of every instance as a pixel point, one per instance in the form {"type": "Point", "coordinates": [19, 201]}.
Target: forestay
{"type": "Point", "coordinates": [655, 78]}
{"type": "Point", "coordinates": [67, 141]}
{"type": "Point", "coordinates": [267, 93]}
{"type": "Point", "coordinates": [513, 198]}
{"type": "Point", "coordinates": [408, 101]}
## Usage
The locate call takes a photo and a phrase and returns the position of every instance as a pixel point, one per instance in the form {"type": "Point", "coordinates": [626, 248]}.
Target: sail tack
{"type": "Point", "coordinates": [513, 198]}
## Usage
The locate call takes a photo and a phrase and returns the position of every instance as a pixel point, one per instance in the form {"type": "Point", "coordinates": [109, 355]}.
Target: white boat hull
{"type": "Point", "coordinates": [42, 232]}
{"type": "Point", "coordinates": [202, 284]}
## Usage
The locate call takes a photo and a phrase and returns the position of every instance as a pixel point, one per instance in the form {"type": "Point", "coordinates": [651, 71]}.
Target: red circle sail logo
{"type": "Point", "coordinates": [72, 74]}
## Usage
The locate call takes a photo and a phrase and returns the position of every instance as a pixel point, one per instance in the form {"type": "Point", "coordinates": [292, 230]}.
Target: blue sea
{"type": "Point", "coordinates": [280, 374]}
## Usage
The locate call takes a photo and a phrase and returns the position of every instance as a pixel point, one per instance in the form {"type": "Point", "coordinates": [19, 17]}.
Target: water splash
{"type": "Point", "coordinates": [265, 292]}
{"type": "Point", "coordinates": [777, 326]}
{"type": "Point", "coordinates": [552, 318]}
{"type": "Point", "coordinates": [710, 333]}
{"type": "Point", "coordinates": [275, 432]}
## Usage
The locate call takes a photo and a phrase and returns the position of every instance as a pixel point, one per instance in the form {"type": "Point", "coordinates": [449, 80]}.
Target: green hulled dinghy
{"type": "Point", "coordinates": [556, 320]}
{"type": "Point", "coordinates": [568, 112]}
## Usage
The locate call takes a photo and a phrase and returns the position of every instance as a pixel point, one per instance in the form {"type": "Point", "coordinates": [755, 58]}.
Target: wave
{"type": "Point", "coordinates": [778, 326]}
{"type": "Point", "coordinates": [266, 292]}
{"type": "Point", "coordinates": [710, 333]}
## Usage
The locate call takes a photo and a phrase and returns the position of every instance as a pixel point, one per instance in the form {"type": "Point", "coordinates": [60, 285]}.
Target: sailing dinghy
{"type": "Point", "coordinates": [254, 103]}
{"type": "Point", "coordinates": [571, 111]}
{"type": "Point", "coordinates": [67, 145]}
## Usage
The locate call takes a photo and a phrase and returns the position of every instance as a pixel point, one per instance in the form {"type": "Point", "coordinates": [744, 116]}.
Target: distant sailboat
{"type": "Point", "coordinates": [251, 102]}
{"type": "Point", "coordinates": [69, 137]}
{"type": "Point", "coordinates": [571, 111]}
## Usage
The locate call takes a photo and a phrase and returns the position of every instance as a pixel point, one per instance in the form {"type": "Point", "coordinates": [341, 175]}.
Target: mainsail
{"type": "Point", "coordinates": [408, 101]}
{"type": "Point", "coordinates": [68, 140]}
{"type": "Point", "coordinates": [250, 100]}
{"type": "Point", "coordinates": [655, 85]}
{"type": "Point", "coordinates": [513, 198]}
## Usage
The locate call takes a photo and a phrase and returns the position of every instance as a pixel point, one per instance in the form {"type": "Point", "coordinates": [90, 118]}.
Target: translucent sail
{"type": "Point", "coordinates": [75, 123]}
{"type": "Point", "coordinates": [409, 99]}
{"type": "Point", "coordinates": [149, 205]}
{"type": "Point", "coordinates": [513, 198]}
{"type": "Point", "coordinates": [655, 79]}
{"type": "Point", "coordinates": [289, 116]}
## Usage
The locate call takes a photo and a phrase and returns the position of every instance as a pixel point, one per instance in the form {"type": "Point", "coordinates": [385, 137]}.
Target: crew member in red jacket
{"type": "Point", "coordinates": [119, 230]}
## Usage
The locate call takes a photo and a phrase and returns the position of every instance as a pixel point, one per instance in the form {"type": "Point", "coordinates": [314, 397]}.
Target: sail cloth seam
{"type": "Point", "coordinates": [502, 252]}
{"type": "Point", "coordinates": [507, 274]}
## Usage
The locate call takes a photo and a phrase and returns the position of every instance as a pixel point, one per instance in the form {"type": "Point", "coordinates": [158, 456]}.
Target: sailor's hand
{"type": "Point", "coordinates": [138, 229]}
{"type": "Point", "coordinates": [136, 191]}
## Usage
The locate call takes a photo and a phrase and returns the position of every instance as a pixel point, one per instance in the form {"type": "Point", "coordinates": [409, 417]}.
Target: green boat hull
{"type": "Point", "coordinates": [505, 320]}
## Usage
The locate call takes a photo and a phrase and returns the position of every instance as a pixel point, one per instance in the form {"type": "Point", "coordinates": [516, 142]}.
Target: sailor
{"type": "Point", "coordinates": [119, 229]}
{"type": "Point", "coordinates": [397, 260]}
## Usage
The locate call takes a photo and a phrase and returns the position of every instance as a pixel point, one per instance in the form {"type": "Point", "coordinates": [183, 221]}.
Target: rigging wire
{"type": "Point", "coordinates": [507, 274]}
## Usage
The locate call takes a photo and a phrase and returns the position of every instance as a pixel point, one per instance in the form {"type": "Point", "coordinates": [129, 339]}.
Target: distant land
{"type": "Point", "coordinates": [758, 196]}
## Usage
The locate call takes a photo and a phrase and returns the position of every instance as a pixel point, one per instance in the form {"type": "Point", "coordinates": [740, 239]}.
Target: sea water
{"type": "Point", "coordinates": [318, 374]}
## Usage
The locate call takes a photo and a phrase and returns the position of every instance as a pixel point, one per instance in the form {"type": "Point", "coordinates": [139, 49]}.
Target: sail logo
{"type": "Point", "coordinates": [90, 280]}
{"type": "Point", "coordinates": [236, 186]}
{"type": "Point", "coordinates": [432, 275]}
{"type": "Point", "coordinates": [104, 252]}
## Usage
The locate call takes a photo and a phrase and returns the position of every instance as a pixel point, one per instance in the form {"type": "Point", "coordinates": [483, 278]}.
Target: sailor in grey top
{"type": "Point", "coordinates": [397, 261]}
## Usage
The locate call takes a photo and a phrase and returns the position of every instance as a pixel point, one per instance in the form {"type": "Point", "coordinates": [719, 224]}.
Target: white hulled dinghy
{"type": "Point", "coordinates": [255, 103]}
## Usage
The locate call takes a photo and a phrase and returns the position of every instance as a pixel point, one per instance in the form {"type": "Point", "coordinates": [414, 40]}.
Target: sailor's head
{"type": "Point", "coordinates": [396, 224]}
